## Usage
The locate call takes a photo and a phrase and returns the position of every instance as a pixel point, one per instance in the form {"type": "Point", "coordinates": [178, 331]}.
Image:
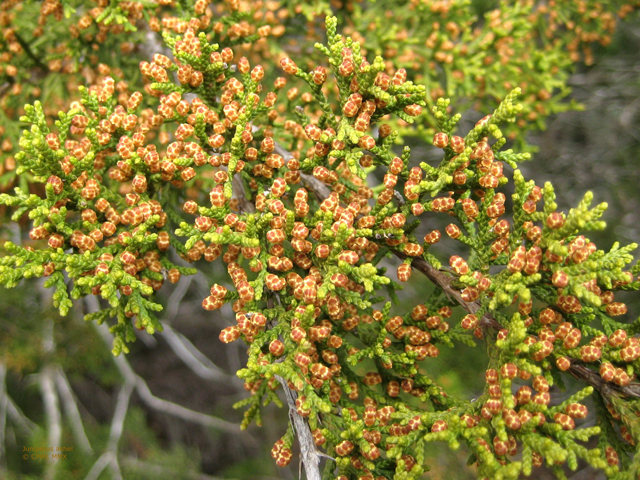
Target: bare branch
{"type": "Point", "coordinates": [245, 205]}
{"type": "Point", "coordinates": [444, 280]}
{"type": "Point", "coordinates": [162, 472]}
{"type": "Point", "coordinates": [46, 379]}
{"type": "Point", "coordinates": [173, 303]}
{"type": "Point", "coordinates": [309, 454]}
{"type": "Point", "coordinates": [320, 190]}
{"type": "Point", "coordinates": [99, 466]}
{"type": "Point", "coordinates": [4, 401]}
{"type": "Point", "coordinates": [192, 357]}
{"type": "Point", "coordinates": [19, 418]}
{"type": "Point", "coordinates": [149, 340]}
{"type": "Point", "coordinates": [53, 416]}
{"type": "Point", "coordinates": [182, 412]}
{"type": "Point", "coordinates": [117, 426]}
{"type": "Point", "coordinates": [159, 404]}
{"type": "Point", "coordinates": [142, 389]}
{"type": "Point", "coordinates": [72, 411]}
{"type": "Point", "coordinates": [308, 451]}
{"type": "Point", "coordinates": [110, 456]}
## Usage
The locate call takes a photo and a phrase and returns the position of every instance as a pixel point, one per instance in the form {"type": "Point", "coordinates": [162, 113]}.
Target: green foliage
{"type": "Point", "coordinates": [206, 157]}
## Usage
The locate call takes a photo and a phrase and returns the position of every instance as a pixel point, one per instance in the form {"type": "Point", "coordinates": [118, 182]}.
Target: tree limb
{"type": "Point", "coordinates": [320, 190]}
{"type": "Point", "coordinates": [308, 451]}
{"type": "Point", "coordinates": [71, 409]}
{"type": "Point", "coordinates": [444, 281]}
{"type": "Point", "coordinates": [143, 390]}
{"type": "Point", "coordinates": [117, 426]}
{"type": "Point", "coordinates": [53, 416]}
{"type": "Point", "coordinates": [99, 466]}
{"type": "Point", "coordinates": [309, 454]}
{"type": "Point", "coordinates": [173, 302]}
{"type": "Point", "coordinates": [110, 456]}
{"type": "Point", "coordinates": [158, 471]}
{"type": "Point", "coordinates": [192, 357]}
{"type": "Point", "coordinates": [19, 418]}
{"type": "Point", "coordinates": [4, 403]}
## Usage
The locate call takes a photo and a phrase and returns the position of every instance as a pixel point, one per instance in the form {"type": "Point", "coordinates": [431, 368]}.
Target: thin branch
{"type": "Point", "coordinates": [245, 205]}
{"type": "Point", "coordinates": [173, 303]}
{"type": "Point", "coordinates": [309, 454]}
{"type": "Point", "coordinates": [182, 412]}
{"type": "Point", "coordinates": [142, 389]}
{"type": "Point", "coordinates": [148, 340]}
{"type": "Point", "coordinates": [308, 451]}
{"type": "Point", "coordinates": [162, 472]}
{"type": "Point", "coordinates": [320, 190]}
{"type": "Point", "coordinates": [117, 427]}
{"type": "Point", "coordinates": [110, 456]}
{"type": "Point", "coordinates": [99, 466]}
{"type": "Point", "coordinates": [27, 50]}
{"type": "Point", "coordinates": [201, 281]}
{"type": "Point", "coordinates": [53, 416]}
{"type": "Point", "coordinates": [4, 401]}
{"type": "Point", "coordinates": [159, 404]}
{"type": "Point", "coordinates": [19, 418]}
{"type": "Point", "coordinates": [50, 398]}
{"type": "Point", "coordinates": [444, 281]}
{"type": "Point", "coordinates": [192, 357]}
{"type": "Point", "coordinates": [72, 412]}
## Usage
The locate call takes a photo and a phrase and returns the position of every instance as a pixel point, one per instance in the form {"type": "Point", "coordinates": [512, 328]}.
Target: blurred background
{"type": "Point", "coordinates": [166, 409]}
